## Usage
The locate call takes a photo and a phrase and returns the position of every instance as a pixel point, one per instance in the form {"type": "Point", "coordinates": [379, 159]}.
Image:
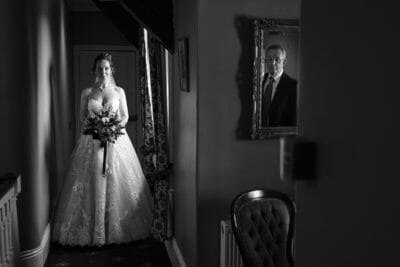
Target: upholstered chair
{"type": "Point", "coordinates": [263, 225]}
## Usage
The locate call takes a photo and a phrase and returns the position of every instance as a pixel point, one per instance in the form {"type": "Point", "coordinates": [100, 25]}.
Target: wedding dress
{"type": "Point", "coordinates": [96, 208]}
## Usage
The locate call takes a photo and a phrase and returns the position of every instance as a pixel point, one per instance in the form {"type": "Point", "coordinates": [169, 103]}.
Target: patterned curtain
{"type": "Point", "coordinates": [156, 166]}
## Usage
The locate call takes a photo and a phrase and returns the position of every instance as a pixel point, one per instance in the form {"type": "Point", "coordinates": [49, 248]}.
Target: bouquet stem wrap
{"type": "Point", "coordinates": [105, 145]}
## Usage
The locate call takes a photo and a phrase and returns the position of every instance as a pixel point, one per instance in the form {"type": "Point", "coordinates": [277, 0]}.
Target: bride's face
{"type": "Point", "coordinates": [103, 70]}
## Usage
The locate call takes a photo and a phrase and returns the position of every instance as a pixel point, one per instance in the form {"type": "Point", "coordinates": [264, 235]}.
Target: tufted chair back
{"type": "Point", "coordinates": [263, 224]}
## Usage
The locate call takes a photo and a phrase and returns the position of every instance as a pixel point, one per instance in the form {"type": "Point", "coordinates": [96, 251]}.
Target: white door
{"type": "Point", "coordinates": [125, 61]}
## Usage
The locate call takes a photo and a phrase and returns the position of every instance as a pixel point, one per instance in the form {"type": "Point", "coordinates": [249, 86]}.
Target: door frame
{"type": "Point", "coordinates": [77, 49]}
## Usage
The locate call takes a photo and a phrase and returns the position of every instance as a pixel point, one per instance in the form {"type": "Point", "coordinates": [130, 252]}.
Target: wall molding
{"type": "Point", "coordinates": [174, 253]}
{"type": "Point", "coordinates": [36, 257]}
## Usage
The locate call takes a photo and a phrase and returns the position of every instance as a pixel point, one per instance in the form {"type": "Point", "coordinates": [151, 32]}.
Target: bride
{"type": "Point", "coordinates": [96, 208]}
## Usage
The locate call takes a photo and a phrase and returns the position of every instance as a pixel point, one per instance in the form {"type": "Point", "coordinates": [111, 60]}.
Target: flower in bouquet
{"type": "Point", "coordinates": [106, 127]}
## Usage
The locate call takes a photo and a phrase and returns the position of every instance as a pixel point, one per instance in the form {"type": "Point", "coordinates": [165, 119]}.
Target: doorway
{"type": "Point", "coordinates": [125, 59]}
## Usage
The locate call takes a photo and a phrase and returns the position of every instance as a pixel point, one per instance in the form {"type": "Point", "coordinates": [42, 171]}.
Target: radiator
{"type": "Point", "coordinates": [229, 250]}
{"type": "Point", "coordinates": [9, 243]}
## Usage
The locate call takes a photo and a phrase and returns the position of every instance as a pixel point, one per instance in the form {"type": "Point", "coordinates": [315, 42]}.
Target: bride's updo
{"type": "Point", "coordinates": [103, 56]}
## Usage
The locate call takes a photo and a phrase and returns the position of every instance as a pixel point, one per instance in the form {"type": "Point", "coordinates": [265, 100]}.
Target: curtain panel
{"type": "Point", "coordinates": [156, 165]}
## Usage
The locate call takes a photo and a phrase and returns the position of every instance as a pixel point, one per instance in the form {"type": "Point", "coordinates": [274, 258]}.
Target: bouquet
{"type": "Point", "coordinates": [105, 127]}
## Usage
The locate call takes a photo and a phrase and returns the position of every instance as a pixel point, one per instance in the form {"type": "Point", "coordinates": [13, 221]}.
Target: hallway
{"type": "Point", "coordinates": [144, 253]}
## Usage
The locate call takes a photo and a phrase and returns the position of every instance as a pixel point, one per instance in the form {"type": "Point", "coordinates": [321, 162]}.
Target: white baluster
{"type": "Point", "coordinates": [2, 238]}
{"type": "Point", "coordinates": [9, 243]}
{"type": "Point", "coordinates": [8, 232]}
{"type": "Point", "coordinates": [10, 219]}
{"type": "Point", "coordinates": [6, 229]}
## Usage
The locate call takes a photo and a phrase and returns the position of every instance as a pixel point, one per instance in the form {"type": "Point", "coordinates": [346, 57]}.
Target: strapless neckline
{"type": "Point", "coordinates": [109, 102]}
{"type": "Point", "coordinates": [96, 105]}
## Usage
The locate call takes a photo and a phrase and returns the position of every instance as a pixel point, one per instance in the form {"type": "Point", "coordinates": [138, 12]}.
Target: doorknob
{"type": "Point", "coordinates": [133, 117]}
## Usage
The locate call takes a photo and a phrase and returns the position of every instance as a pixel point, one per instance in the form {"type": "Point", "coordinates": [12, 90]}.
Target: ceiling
{"type": "Point", "coordinates": [82, 5]}
{"type": "Point", "coordinates": [131, 15]}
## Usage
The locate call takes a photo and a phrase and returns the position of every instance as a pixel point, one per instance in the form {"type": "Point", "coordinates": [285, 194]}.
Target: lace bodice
{"type": "Point", "coordinates": [95, 106]}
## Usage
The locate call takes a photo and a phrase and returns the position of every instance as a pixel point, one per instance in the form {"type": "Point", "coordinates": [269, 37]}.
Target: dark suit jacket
{"type": "Point", "coordinates": [283, 109]}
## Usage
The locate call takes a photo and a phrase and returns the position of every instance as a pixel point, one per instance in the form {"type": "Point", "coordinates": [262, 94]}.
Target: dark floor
{"type": "Point", "coordinates": [143, 253]}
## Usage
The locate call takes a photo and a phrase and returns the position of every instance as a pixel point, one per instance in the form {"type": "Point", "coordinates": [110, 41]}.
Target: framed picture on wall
{"type": "Point", "coordinates": [183, 66]}
{"type": "Point", "coordinates": [275, 78]}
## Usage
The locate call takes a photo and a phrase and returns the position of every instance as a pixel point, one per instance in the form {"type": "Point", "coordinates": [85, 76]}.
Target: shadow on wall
{"type": "Point", "coordinates": [244, 74]}
{"type": "Point", "coordinates": [51, 148]}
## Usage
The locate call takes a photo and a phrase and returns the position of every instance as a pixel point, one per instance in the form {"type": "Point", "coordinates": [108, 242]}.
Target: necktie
{"type": "Point", "coordinates": [266, 101]}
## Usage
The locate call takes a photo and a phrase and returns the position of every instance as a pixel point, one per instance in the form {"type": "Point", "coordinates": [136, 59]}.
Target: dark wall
{"type": "Point", "coordinates": [14, 71]}
{"type": "Point", "coordinates": [185, 110]}
{"type": "Point", "coordinates": [35, 142]}
{"type": "Point", "coordinates": [95, 29]}
{"type": "Point", "coordinates": [228, 163]}
{"type": "Point", "coordinates": [49, 114]}
{"type": "Point", "coordinates": [349, 107]}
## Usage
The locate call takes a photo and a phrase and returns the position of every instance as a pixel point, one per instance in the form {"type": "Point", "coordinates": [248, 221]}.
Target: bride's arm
{"type": "Point", "coordinates": [123, 107]}
{"type": "Point", "coordinates": [83, 111]}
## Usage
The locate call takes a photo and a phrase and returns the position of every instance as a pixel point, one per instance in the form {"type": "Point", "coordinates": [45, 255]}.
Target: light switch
{"type": "Point", "coordinates": [297, 159]}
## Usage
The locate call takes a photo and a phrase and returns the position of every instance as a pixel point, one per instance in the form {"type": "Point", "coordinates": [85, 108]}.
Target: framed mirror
{"type": "Point", "coordinates": [275, 75]}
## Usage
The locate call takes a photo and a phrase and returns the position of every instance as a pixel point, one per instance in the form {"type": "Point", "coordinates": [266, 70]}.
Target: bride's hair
{"type": "Point", "coordinates": [103, 56]}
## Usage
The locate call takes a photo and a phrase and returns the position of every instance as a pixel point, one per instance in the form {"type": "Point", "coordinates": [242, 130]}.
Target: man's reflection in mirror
{"type": "Point", "coordinates": [278, 91]}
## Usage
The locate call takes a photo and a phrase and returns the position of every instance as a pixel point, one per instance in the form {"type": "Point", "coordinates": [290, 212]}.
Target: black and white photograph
{"type": "Point", "coordinates": [275, 78]}
{"type": "Point", "coordinates": [199, 133]}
